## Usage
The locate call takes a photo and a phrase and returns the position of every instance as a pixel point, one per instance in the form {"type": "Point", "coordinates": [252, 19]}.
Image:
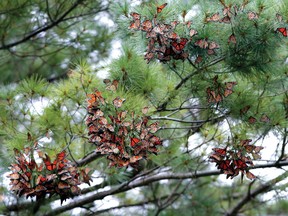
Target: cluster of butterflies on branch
{"type": "Point", "coordinates": [33, 179]}
{"type": "Point", "coordinates": [251, 119]}
{"type": "Point", "coordinates": [124, 137]}
{"type": "Point", "coordinates": [165, 44]}
{"type": "Point", "coordinates": [238, 160]}
{"type": "Point", "coordinates": [217, 92]}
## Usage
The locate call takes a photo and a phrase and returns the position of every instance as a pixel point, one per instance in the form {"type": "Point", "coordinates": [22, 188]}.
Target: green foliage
{"type": "Point", "coordinates": [48, 78]}
{"type": "Point", "coordinates": [49, 52]}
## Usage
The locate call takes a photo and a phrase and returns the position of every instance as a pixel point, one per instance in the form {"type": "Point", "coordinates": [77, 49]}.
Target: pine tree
{"type": "Point", "coordinates": [199, 87]}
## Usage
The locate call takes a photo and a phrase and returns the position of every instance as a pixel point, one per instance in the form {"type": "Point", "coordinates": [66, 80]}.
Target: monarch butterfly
{"type": "Point", "coordinates": [227, 11]}
{"type": "Point", "coordinates": [214, 18]}
{"type": "Point", "coordinates": [134, 141]}
{"type": "Point", "coordinates": [161, 7]}
{"type": "Point", "coordinates": [174, 24]}
{"type": "Point", "coordinates": [112, 86]}
{"type": "Point", "coordinates": [135, 16]}
{"type": "Point", "coordinates": [192, 32]}
{"type": "Point", "coordinates": [232, 39]}
{"type": "Point", "coordinates": [63, 185]}
{"type": "Point", "coordinates": [229, 86]}
{"type": "Point", "coordinates": [212, 97]}
{"type": "Point", "coordinates": [198, 59]}
{"type": "Point", "coordinates": [220, 151]}
{"type": "Point", "coordinates": [117, 102]}
{"type": "Point", "coordinates": [257, 149]}
{"type": "Point", "coordinates": [213, 45]}
{"type": "Point", "coordinates": [210, 52]}
{"type": "Point", "coordinates": [226, 19]}
{"type": "Point", "coordinates": [178, 47]}
{"type": "Point", "coordinates": [146, 26]}
{"type": "Point", "coordinates": [224, 165]}
{"type": "Point", "coordinates": [252, 15]}
{"type": "Point", "coordinates": [250, 175]}
{"type": "Point", "coordinates": [148, 56]}
{"type": "Point", "coordinates": [283, 31]}
{"type": "Point", "coordinates": [249, 148]}
{"type": "Point", "coordinates": [252, 120]}
{"type": "Point", "coordinates": [181, 56]}
{"type": "Point", "coordinates": [61, 156]}
{"type": "Point", "coordinates": [202, 43]}
{"type": "Point", "coordinates": [135, 24]}
{"type": "Point", "coordinates": [264, 118]}
{"type": "Point", "coordinates": [240, 164]}
{"type": "Point", "coordinates": [244, 109]}
{"type": "Point", "coordinates": [172, 35]}
{"type": "Point", "coordinates": [161, 28]}
{"type": "Point", "coordinates": [49, 166]}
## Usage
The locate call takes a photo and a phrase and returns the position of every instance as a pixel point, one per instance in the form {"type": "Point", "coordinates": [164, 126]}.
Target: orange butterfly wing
{"type": "Point", "coordinates": [283, 31]}
{"type": "Point", "coordinates": [161, 7]}
{"type": "Point", "coordinates": [134, 141]}
{"type": "Point", "coordinates": [214, 18]}
{"type": "Point", "coordinates": [224, 165]}
{"type": "Point", "coordinates": [178, 47]}
{"type": "Point", "coordinates": [220, 151]}
{"type": "Point", "coordinates": [49, 166]}
{"type": "Point", "coordinates": [61, 156]}
{"type": "Point", "coordinates": [135, 16]}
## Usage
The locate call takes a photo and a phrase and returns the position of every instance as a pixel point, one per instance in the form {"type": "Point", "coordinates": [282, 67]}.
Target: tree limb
{"type": "Point", "coordinates": [251, 195]}
{"type": "Point", "coordinates": [133, 205]}
{"type": "Point", "coordinates": [143, 181]}
{"type": "Point", "coordinates": [43, 28]}
{"type": "Point", "coordinates": [89, 158]}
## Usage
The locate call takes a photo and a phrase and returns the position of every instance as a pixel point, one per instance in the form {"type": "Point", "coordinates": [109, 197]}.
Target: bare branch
{"type": "Point", "coordinates": [43, 28]}
{"type": "Point", "coordinates": [132, 205]}
{"type": "Point", "coordinates": [143, 181]}
{"type": "Point", "coordinates": [89, 158]}
{"type": "Point", "coordinates": [261, 189]}
{"type": "Point", "coordinates": [183, 121]}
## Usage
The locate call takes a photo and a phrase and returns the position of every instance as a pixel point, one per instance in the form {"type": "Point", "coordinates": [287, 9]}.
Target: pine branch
{"type": "Point", "coordinates": [89, 158]}
{"type": "Point", "coordinates": [162, 107]}
{"type": "Point", "coordinates": [143, 181]}
{"type": "Point", "coordinates": [133, 205]}
{"type": "Point", "coordinates": [43, 28]}
{"type": "Point", "coordinates": [183, 121]}
{"type": "Point", "coordinates": [251, 195]}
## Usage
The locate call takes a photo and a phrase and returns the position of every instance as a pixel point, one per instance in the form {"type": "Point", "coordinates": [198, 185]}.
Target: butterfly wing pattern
{"type": "Point", "coordinates": [218, 92]}
{"type": "Point", "coordinates": [283, 31]}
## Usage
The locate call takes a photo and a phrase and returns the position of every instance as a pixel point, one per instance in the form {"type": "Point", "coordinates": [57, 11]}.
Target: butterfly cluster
{"type": "Point", "coordinates": [209, 46]}
{"type": "Point", "coordinates": [251, 119]}
{"type": "Point", "coordinates": [163, 42]}
{"type": "Point", "coordinates": [124, 138]}
{"type": "Point", "coordinates": [233, 161]}
{"type": "Point", "coordinates": [217, 92]}
{"type": "Point", "coordinates": [33, 179]}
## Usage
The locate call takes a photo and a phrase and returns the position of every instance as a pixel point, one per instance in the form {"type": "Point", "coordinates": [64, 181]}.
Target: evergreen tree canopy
{"type": "Point", "coordinates": [199, 92]}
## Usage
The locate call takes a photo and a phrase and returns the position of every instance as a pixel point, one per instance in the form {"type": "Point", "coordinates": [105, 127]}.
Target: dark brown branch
{"type": "Point", "coordinates": [143, 181]}
{"type": "Point", "coordinates": [162, 107]}
{"type": "Point", "coordinates": [183, 121]}
{"type": "Point", "coordinates": [44, 28]}
{"type": "Point", "coordinates": [261, 189]}
{"type": "Point", "coordinates": [89, 158]}
{"type": "Point", "coordinates": [284, 144]}
{"type": "Point", "coordinates": [132, 205]}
